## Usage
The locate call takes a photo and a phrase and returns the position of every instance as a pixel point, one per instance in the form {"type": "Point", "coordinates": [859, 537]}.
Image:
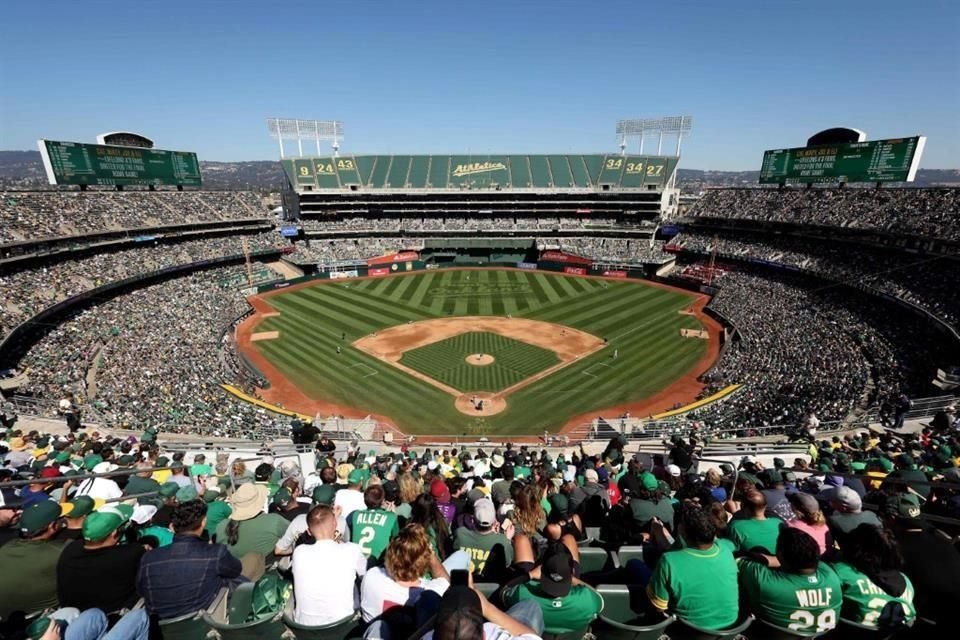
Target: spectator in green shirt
{"type": "Point", "coordinates": [249, 529]}
{"type": "Point", "coordinates": [699, 582]}
{"type": "Point", "coordinates": [794, 589]}
{"type": "Point", "coordinates": [28, 566]}
{"type": "Point", "coordinates": [480, 543]}
{"type": "Point", "coordinates": [755, 529]}
{"type": "Point", "coordinates": [217, 510]}
{"type": "Point", "coordinates": [567, 603]}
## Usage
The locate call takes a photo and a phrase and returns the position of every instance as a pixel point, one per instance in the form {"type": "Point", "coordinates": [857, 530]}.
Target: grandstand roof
{"type": "Point", "coordinates": [446, 173]}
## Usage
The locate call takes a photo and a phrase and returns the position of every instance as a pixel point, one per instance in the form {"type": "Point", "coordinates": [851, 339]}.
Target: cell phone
{"type": "Point", "coordinates": [459, 578]}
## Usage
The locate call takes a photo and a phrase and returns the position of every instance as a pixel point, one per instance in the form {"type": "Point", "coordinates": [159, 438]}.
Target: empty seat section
{"type": "Point", "coordinates": [439, 171]}
{"type": "Point", "coordinates": [594, 165]}
{"type": "Point", "coordinates": [326, 170]}
{"type": "Point", "coordinates": [397, 178]}
{"type": "Point", "coordinates": [612, 170]}
{"type": "Point", "coordinates": [519, 172]}
{"type": "Point", "coordinates": [540, 172]}
{"type": "Point", "coordinates": [365, 167]}
{"type": "Point", "coordinates": [303, 170]}
{"type": "Point", "coordinates": [459, 170]}
{"type": "Point", "coordinates": [634, 168]}
{"type": "Point", "coordinates": [378, 178]}
{"type": "Point", "coordinates": [347, 170]}
{"type": "Point", "coordinates": [560, 169]}
{"type": "Point", "coordinates": [579, 172]}
{"type": "Point", "coordinates": [417, 178]}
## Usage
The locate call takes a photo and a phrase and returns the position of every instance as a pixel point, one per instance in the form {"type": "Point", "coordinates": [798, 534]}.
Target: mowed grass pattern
{"type": "Point", "coordinates": [446, 362]}
{"type": "Point", "coordinates": [640, 320]}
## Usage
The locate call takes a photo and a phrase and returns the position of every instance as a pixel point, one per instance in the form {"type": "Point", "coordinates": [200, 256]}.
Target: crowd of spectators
{"type": "Point", "coordinates": [929, 282]}
{"type": "Point", "coordinates": [402, 538]}
{"type": "Point", "coordinates": [454, 223]}
{"type": "Point", "coordinates": [930, 212]}
{"type": "Point", "coordinates": [612, 249]}
{"type": "Point", "coordinates": [801, 346]}
{"type": "Point", "coordinates": [318, 251]}
{"type": "Point", "coordinates": [32, 215]}
{"type": "Point", "coordinates": [156, 356]}
{"type": "Point", "coordinates": [27, 291]}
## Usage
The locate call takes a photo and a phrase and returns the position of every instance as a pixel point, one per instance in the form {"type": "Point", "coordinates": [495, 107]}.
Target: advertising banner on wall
{"type": "Point", "coordinates": [578, 271]}
{"type": "Point", "coordinates": [615, 274]}
{"type": "Point", "coordinates": [526, 265]}
{"type": "Point", "coordinates": [560, 256]}
{"type": "Point", "coordinates": [349, 273]}
{"type": "Point", "coordinates": [379, 271]}
{"type": "Point", "coordinates": [403, 256]}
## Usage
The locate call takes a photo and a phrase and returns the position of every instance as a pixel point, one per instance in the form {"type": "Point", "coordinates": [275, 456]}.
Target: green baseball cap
{"type": "Point", "coordinates": [38, 517]}
{"type": "Point", "coordinates": [78, 507]}
{"type": "Point", "coordinates": [92, 460]}
{"type": "Point", "coordinates": [125, 460]}
{"type": "Point", "coordinates": [106, 520]}
{"type": "Point", "coordinates": [186, 494]}
{"type": "Point", "coordinates": [210, 495]}
{"type": "Point", "coordinates": [904, 505]}
{"type": "Point", "coordinates": [163, 461]}
{"type": "Point", "coordinates": [168, 489]}
{"type": "Point", "coordinates": [324, 494]}
{"type": "Point", "coordinates": [63, 456]}
{"type": "Point", "coordinates": [282, 497]}
{"type": "Point", "coordinates": [355, 477]}
{"type": "Point", "coordinates": [649, 481]}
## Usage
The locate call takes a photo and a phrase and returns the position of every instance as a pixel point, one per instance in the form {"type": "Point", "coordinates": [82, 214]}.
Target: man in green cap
{"type": "Point", "coordinates": [167, 500]}
{"type": "Point", "coordinates": [36, 552]}
{"type": "Point", "coordinates": [100, 555]}
{"type": "Point", "coordinates": [217, 510]}
{"type": "Point", "coordinates": [141, 482]}
{"type": "Point", "coordinates": [651, 503]}
{"type": "Point", "coordinates": [75, 512]}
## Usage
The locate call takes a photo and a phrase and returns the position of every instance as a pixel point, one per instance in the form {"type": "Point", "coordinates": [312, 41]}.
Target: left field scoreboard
{"type": "Point", "coordinates": [78, 163]}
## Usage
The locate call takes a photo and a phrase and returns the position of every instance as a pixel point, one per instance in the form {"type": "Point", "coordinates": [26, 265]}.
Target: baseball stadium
{"type": "Point", "coordinates": [417, 360]}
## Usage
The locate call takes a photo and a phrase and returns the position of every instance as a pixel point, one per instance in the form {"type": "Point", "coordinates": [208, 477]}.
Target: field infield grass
{"type": "Point", "coordinates": [317, 325]}
{"type": "Point", "coordinates": [446, 361]}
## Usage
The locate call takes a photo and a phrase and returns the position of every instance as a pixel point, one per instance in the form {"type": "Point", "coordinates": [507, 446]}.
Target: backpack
{"type": "Point", "coordinates": [270, 595]}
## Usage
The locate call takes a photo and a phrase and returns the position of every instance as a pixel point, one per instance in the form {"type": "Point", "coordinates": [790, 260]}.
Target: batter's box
{"type": "Point", "coordinates": [594, 367]}
{"type": "Point", "coordinates": [371, 371]}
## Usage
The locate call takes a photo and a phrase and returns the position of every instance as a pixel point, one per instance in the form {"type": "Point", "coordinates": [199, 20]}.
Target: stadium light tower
{"type": "Point", "coordinates": [300, 130]}
{"type": "Point", "coordinates": [640, 128]}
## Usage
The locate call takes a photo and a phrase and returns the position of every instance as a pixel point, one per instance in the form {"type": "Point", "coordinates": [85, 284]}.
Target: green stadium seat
{"type": "Point", "coordinates": [627, 553]}
{"type": "Point", "coordinates": [417, 177]}
{"type": "Point", "coordinates": [763, 630]}
{"type": "Point", "coordinates": [560, 170]}
{"type": "Point", "coordinates": [486, 588]}
{"type": "Point", "coordinates": [540, 172]}
{"type": "Point", "coordinates": [685, 631]}
{"type": "Point", "coordinates": [193, 626]}
{"type": "Point", "coordinates": [578, 634]}
{"type": "Point", "coordinates": [593, 559]}
{"type": "Point", "coordinates": [439, 172]}
{"type": "Point", "coordinates": [520, 172]}
{"type": "Point", "coordinates": [349, 627]}
{"type": "Point", "coordinates": [233, 626]}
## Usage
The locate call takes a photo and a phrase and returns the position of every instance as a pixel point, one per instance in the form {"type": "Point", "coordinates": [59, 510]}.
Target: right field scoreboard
{"type": "Point", "coordinates": [893, 160]}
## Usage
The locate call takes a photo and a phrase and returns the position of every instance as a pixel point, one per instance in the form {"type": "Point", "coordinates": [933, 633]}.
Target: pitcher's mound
{"type": "Point", "coordinates": [480, 359]}
{"type": "Point", "coordinates": [480, 404]}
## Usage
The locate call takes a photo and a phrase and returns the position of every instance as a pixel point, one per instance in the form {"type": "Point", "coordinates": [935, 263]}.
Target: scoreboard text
{"type": "Point", "coordinates": [894, 160]}
{"type": "Point", "coordinates": [97, 164]}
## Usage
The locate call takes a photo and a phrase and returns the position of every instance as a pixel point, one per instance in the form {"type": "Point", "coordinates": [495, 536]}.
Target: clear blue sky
{"type": "Point", "coordinates": [486, 76]}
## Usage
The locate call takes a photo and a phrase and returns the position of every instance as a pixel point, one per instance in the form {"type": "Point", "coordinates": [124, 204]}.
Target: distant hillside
{"type": "Point", "coordinates": [24, 170]}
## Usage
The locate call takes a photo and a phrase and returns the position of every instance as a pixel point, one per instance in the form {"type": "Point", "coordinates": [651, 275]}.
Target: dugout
{"type": "Point", "coordinates": [457, 252]}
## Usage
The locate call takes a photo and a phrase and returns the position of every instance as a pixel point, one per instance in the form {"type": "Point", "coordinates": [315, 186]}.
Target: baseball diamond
{"type": "Point", "coordinates": [325, 328]}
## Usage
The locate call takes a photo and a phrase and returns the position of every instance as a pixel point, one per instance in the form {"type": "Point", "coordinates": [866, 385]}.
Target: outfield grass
{"type": "Point", "coordinates": [446, 361]}
{"type": "Point", "coordinates": [640, 321]}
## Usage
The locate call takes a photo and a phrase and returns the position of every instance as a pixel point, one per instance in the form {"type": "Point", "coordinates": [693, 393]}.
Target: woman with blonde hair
{"type": "Point", "coordinates": [408, 560]}
{"type": "Point", "coordinates": [410, 488]}
{"type": "Point", "coordinates": [810, 519]}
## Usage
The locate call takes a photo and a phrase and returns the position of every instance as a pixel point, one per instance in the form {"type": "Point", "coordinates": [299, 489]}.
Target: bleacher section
{"type": "Point", "coordinates": [481, 172]}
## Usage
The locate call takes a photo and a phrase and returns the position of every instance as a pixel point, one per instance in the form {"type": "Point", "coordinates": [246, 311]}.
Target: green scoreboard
{"type": "Point", "coordinates": [894, 160]}
{"type": "Point", "coordinates": [100, 164]}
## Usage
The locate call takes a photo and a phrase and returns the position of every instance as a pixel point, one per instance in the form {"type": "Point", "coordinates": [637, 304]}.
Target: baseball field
{"type": "Point", "coordinates": [469, 351]}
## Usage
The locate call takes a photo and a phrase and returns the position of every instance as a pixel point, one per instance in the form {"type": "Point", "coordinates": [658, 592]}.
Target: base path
{"type": "Point", "coordinates": [569, 344]}
{"type": "Point", "coordinates": [492, 403]}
